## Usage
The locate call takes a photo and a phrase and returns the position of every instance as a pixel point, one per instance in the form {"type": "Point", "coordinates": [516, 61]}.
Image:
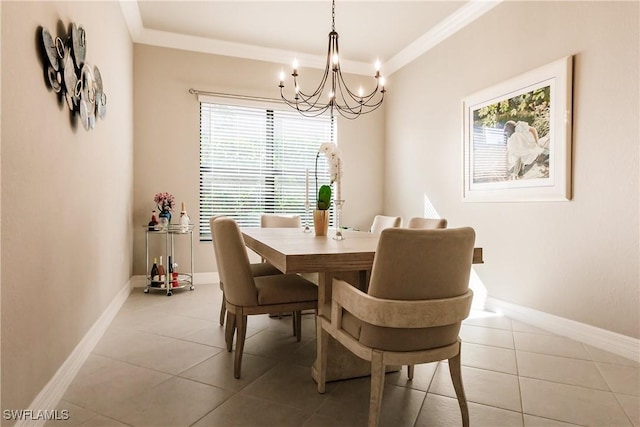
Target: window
{"type": "Point", "coordinates": [254, 160]}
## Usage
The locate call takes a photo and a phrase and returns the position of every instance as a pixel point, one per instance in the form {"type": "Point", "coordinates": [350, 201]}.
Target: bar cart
{"type": "Point", "coordinates": [173, 280]}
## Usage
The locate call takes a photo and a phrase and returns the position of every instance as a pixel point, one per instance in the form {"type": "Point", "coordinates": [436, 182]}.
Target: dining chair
{"type": "Point", "coordinates": [411, 314]}
{"type": "Point", "coordinates": [257, 269]}
{"type": "Point", "coordinates": [280, 221]}
{"type": "Point", "coordinates": [427, 223]}
{"type": "Point", "coordinates": [380, 222]}
{"type": "Point", "coordinates": [248, 295]}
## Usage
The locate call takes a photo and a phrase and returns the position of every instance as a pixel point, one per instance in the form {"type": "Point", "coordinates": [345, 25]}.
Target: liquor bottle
{"type": "Point", "coordinates": [154, 221]}
{"type": "Point", "coordinates": [174, 274]}
{"type": "Point", "coordinates": [154, 272]}
{"type": "Point", "coordinates": [184, 219]}
{"type": "Point", "coordinates": [161, 272]}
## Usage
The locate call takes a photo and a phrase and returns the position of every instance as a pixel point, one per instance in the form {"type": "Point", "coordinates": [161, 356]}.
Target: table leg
{"type": "Point", "coordinates": [341, 363]}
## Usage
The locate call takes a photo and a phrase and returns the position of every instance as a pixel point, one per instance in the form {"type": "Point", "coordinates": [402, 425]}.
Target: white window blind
{"type": "Point", "coordinates": [254, 160]}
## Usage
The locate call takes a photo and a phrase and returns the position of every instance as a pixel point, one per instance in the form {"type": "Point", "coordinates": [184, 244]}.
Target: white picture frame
{"type": "Point", "coordinates": [517, 138]}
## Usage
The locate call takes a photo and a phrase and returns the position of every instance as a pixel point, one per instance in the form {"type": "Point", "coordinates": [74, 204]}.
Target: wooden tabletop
{"type": "Point", "coordinates": [291, 250]}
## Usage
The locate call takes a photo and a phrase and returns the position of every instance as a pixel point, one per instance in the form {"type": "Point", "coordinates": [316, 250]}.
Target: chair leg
{"type": "Point", "coordinates": [410, 371]}
{"type": "Point", "coordinates": [377, 387]}
{"type": "Point", "coordinates": [242, 333]}
{"type": "Point", "coordinates": [297, 324]}
{"type": "Point", "coordinates": [230, 330]}
{"type": "Point", "coordinates": [293, 322]}
{"type": "Point", "coordinates": [321, 355]}
{"type": "Point", "coordinates": [456, 376]}
{"type": "Point", "coordinates": [223, 311]}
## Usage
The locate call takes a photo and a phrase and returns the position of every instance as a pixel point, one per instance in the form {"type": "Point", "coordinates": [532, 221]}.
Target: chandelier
{"type": "Point", "coordinates": [337, 96]}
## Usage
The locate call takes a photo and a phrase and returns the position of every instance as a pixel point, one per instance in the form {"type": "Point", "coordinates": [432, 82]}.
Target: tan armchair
{"type": "Point", "coordinates": [427, 223]}
{"type": "Point", "coordinates": [280, 221]}
{"type": "Point", "coordinates": [380, 222]}
{"type": "Point", "coordinates": [417, 298]}
{"type": "Point", "coordinates": [257, 269]}
{"type": "Point", "coordinates": [246, 295]}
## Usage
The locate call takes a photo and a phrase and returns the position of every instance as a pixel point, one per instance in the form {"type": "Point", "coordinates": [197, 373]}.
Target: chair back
{"type": "Point", "coordinates": [427, 223]}
{"type": "Point", "coordinates": [211, 219]}
{"type": "Point", "coordinates": [380, 222]}
{"type": "Point", "coordinates": [280, 221]}
{"type": "Point", "coordinates": [233, 263]}
{"type": "Point", "coordinates": [412, 264]}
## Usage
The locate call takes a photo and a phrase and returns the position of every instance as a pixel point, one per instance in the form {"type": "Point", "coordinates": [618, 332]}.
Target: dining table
{"type": "Point", "coordinates": [292, 250]}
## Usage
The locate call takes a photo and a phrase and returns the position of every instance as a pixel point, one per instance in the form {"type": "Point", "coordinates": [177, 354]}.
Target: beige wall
{"type": "Point", "coordinates": [67, 239]}
{"type": "Point", "coordinates": [167, 136]}
{"type": "Point", "coordinates": [578, 259]}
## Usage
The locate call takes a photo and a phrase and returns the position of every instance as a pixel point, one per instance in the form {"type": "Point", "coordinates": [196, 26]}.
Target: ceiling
{"type": "Point", "coordinates": [393, 32]}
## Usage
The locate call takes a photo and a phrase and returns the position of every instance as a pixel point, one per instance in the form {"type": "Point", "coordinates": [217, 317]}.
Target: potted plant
{"type": "Point", "coordinates": [321, 213]}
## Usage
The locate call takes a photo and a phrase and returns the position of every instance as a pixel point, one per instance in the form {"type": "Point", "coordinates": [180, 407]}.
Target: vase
{"type": "Point", "coordinates": [321, 222]}
{"type": "Point", "coordinates": [165, 213]}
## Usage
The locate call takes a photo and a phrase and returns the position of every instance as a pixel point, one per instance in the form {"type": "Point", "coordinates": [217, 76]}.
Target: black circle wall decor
{"type": "Point", "coordinates": [68, 74]}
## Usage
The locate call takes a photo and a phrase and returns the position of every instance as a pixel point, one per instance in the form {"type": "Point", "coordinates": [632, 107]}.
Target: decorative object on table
{"type": "Point", "coordinates": [165, 203]}
{"type": "Point", "coordinates": [354, 103]}
{"type": "Point", "coordinates": [184, 219]}
{"type": "Point", "coordinates": [75, 81]}
{"type": "Point", "coordinates": [334, 158]}
{"type": "Point", "coordinates": [153, 224]}
{"type": "Point", "coordinates": [517, 138]}
{"type": "Point", "coordinates": [306, 202]}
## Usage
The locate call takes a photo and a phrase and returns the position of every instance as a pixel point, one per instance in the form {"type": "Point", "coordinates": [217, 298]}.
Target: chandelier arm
{"type": "Point", "coordinates": [354, 109]}
{"type": "Point", "coordinates": [311, 111]}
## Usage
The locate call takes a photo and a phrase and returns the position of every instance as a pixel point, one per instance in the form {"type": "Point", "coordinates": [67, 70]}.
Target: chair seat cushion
{"type": "Point", "coordinates": [284, 289]}
{"type": "Point", "coordinates": [399, 339]}
{"type": "Point", "coordinates": [263, 269]}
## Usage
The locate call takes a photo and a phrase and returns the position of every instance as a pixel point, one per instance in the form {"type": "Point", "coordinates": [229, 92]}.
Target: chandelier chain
{"type": "Point", "coordinates": [333, 15]}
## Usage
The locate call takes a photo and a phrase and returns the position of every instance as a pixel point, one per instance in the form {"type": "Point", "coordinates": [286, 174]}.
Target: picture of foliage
{"type": "Point", "coordinates": [531, 107]}
{"type": "Point", "coordinates": [511, 137]}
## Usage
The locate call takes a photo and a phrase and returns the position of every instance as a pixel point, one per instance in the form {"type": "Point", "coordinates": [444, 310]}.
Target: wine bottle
{"type": "Point", "coordinates": [161, 271]}
{"type": "Point", "coordinates": [154, 221]}
{"type": "Point", "coordinates": [174, 274]}
{"type": "Point", "coordinates": [154, 272]}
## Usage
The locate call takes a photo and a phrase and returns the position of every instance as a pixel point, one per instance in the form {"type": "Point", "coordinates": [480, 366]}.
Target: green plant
{"type": "Point", "coordinates": [324, 197]}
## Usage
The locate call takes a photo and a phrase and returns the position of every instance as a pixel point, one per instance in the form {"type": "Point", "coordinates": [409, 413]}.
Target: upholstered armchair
{"type": "Point", "coordinates": [417, 298]}
{"type": "Point", "coordinates": [427, 223]}
{"type": "Point", "coordinates": [380, 222]}
{"type": "Point", "coordinates": [247, 295]}
{"type": "Point", "coordinates": [257, 269]}
{"type": "Point", "coordinates": [280, 221]}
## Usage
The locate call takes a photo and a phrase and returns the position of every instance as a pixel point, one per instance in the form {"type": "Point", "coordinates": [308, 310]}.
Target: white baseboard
{"type": "Point", "coordinates": [50, 395]}
{"type": "Point", "coordinates": [613, 342]}
{"type": "Point", "coordinates": [140, 281]}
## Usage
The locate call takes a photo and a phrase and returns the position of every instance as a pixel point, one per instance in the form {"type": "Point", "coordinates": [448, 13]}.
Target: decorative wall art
{"type": "Point", "coordinates": [517, 138]}
{"type": "Point", "coordinates": [77, 83]}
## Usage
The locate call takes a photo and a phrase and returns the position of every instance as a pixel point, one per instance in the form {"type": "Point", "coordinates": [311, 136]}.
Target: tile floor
{"type": "Point", "coordinates": [162, 362]}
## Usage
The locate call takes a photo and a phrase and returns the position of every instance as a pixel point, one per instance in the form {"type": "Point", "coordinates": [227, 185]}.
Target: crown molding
{"type": "Point", "coordinates": [446, 28]}
{"type": "Point", "coordinates": [449, 26]}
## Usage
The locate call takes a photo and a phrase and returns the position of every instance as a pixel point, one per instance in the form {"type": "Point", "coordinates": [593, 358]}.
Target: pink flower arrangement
{"type": "Point", "coordinates": [165, 201]}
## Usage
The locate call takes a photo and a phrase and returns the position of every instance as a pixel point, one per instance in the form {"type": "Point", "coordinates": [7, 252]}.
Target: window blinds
{"type": "Point", "coordinates": [254, 160]}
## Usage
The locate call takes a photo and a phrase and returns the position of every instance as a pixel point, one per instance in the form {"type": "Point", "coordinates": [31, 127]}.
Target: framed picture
{"type": "Point", "coordinates": [517, 138]}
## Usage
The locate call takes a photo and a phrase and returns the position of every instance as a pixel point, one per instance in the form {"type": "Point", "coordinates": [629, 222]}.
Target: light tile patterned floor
{"type": "Point", "coordinates": [163, 363]}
